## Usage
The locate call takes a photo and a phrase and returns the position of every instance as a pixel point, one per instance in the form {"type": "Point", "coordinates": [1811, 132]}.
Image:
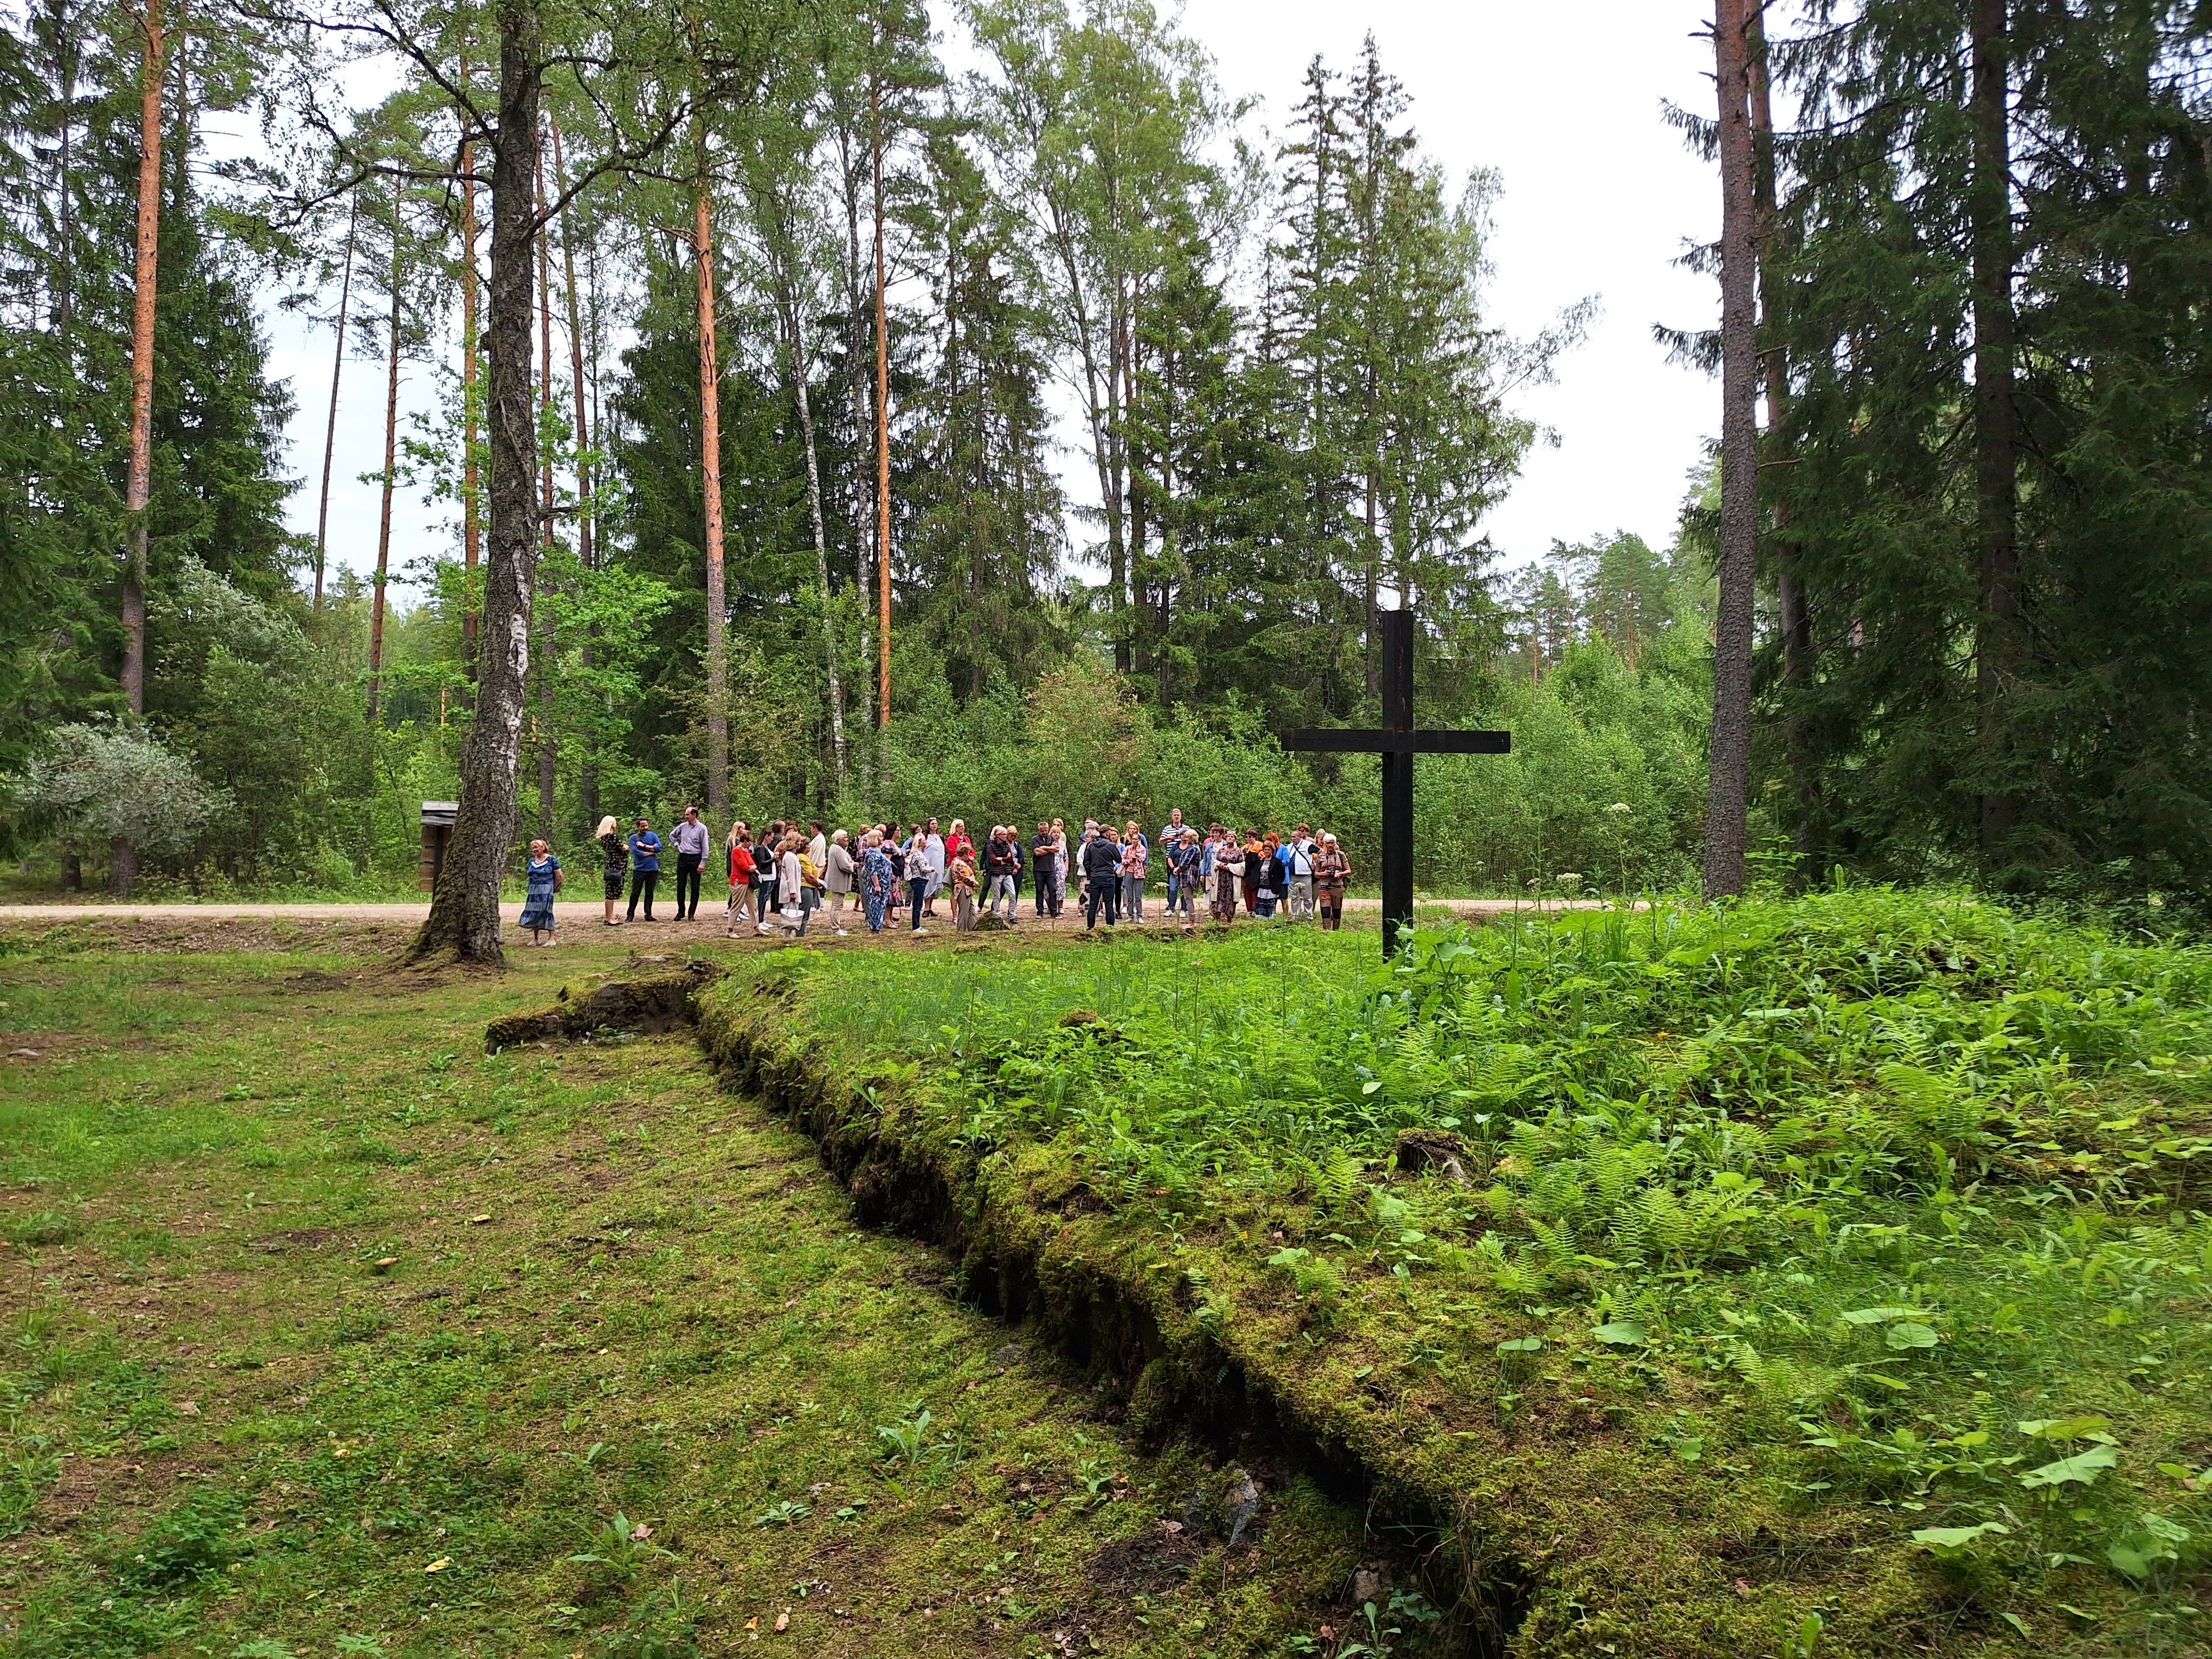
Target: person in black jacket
{"type": "Point", "coordinates": [1102, 864]}
{"type": "Point", "coordinates": [1044, 857]}
{"type": "Point", "coordinates": [1002, 863]}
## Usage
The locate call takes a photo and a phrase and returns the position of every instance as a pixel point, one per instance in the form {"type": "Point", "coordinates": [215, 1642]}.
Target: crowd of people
{"type": "Point", "coordinates": [889, 875]}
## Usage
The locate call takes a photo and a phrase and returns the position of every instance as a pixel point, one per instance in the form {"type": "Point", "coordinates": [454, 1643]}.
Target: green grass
{"type": "Point", "coordinates": [1842, 1259]}
{"type": "Point", "coordinates": [326, 1333]}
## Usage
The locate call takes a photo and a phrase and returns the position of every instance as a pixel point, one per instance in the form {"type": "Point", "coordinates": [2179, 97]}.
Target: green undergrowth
{"type": "Point", "coordinates": [323, 1332]}
{"type": "Point", "coordinates": [1822, 1275]}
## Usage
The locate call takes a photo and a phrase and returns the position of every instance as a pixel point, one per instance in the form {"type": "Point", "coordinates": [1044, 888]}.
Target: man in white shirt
{"type": "Point", "coordinates": [1298, 856]}
{"type": "Point", "coordinates": [690, 838]}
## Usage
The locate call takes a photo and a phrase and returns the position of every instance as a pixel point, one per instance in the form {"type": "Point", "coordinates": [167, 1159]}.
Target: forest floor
{"type": "Point", "coordinates": [327, 1333]}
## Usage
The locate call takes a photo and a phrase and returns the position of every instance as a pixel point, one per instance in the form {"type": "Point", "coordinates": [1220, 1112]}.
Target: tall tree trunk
{"type": "Point", "coordinates": [575, 359]}
{"type": "Point", "coordinates": [1796, 614]}
{"type": "Point", "coordinates": [1996, 644]}
{"type": "Point", "coordinates": [588, 772]}
{"type": "Point", "coordinates": [780, 257]}
{"type": "Point", "coordinates": [1728, 788]}
{"type": "Point", "coordinates": [66, 47]}
{"type": "Point", "coordinates": [464, 920]}
{"type": "Point", "coordinates": [391, 478]}
{"type": "Point", "coordinates": [549, 752]}
{"type": "Point", "coordinates": [331, 428]}
{"type": "Point", "coordinates": [1140, 570]}
{"type": "Point", "coordinates": [863, 422]}
{"type": "Point", "coordinates": [1119, 570]}
{"type": "Point", "coordinates": [123, 852]}
{"type": "Point", "coordinates": [471, 407]}
{"type": "Point", "coordinates": [883, 427]}
{"type": "Point", "coordinates": [710, 470]}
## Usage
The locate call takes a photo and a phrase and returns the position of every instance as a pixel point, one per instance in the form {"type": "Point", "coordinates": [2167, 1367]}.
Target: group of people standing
{"type": "Point", "coordinates": [1258, 870]}
{"type": "Point", "coordinates": [779, 876]}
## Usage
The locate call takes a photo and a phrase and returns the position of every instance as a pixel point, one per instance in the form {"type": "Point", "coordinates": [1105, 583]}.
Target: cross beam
{"type": "Point", "coordinates": [1398, 740]}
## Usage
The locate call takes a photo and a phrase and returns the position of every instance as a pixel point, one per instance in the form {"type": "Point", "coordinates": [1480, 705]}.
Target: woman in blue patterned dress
{"type": "Point", "coordinates": [877, 880]}
{"type": "Point", "coordinates": [544, 879]}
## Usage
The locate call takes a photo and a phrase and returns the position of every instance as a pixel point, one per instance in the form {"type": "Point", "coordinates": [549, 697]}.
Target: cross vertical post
{"type": "Point", "coordinates": [1397, 777]}
{"type": "Point", "coordinates": [1397, 741]}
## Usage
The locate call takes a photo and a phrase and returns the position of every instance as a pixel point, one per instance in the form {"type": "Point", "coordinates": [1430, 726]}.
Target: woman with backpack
{"type": "Point", "coordinates": [614, 853]}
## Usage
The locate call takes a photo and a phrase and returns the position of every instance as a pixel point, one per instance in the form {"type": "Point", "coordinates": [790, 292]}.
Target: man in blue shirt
{"type": "Point", "coordinates": [644, 867]}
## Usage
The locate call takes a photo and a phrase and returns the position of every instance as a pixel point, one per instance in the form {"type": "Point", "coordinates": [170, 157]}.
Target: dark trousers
{"type": "Point", "coordinates": [687, 884]}
{"type": "Point", "coordinates": [641, 884]}
{"type": "Point", "coordinates": [917, 888]}
{"type": "Point", "coordinates": [1048, 889]}
{"type": "Point", "coordinates": [1105, 893]}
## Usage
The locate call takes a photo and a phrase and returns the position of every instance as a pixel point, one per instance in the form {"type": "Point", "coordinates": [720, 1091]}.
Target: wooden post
{"type": "Point", "coordinates": [1397, 665]}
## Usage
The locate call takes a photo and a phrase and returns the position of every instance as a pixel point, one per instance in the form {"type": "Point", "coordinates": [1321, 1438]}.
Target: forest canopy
{"type": "Point", "coordinates": [1088, 417]}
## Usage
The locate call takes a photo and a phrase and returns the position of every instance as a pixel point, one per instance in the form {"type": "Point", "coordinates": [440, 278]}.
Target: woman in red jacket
{"type": "Point", "coordinates": [742, 875]}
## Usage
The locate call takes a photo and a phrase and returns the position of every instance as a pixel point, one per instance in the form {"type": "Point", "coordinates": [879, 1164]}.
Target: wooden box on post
{"type": "Point", "coordinates": [437, 831]}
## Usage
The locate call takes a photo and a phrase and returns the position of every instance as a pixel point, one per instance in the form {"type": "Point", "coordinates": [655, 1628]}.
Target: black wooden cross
{"type": "Point", "coordinates": [1398, 742]}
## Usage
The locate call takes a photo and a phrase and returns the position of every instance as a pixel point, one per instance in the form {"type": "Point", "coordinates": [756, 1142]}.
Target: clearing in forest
{"type": "Point", "coordinates": [327, 1333]}
{"type": "Point", "coordinates": [1819, 1276]}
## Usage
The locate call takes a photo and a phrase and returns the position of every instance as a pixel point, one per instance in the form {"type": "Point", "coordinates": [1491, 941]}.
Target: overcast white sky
{"type": "Point", "coordinates": [1600, 197]}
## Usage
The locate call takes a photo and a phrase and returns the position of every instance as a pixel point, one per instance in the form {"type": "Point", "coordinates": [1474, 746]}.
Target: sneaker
{"type": "Point", "coordinates": [841, 932]}
{"type": "Point", "coordinates": [920, 932]}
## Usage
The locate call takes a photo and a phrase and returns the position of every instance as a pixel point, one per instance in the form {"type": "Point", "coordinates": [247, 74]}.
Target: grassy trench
{"type": "Point", "coordinates": [1818, 1278]}
{"type": "Point", "coordinates": [326, 1333]}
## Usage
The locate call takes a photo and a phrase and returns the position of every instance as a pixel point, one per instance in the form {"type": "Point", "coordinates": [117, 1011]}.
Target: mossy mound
{"type": "Point", "coordinates": [1821, 1274]}
{"type": "Point", "coordinates": [651, 1004]}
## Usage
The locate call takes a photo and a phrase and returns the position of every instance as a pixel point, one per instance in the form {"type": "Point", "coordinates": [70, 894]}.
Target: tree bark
{"type": "Point", "coordinates": [1996, 503]}
{"type": "Point", "coordinates": [464, 921]}
{"type": "Point", "coordinates": [1728, 784]}
{"type": "Point", "coordinates": [331, 429]}
{"type": "Point", "coordinates": [883, 427]}
{"type": "Point", "coordinates": [710, 468]}
{"type": "Point", "coordinates": [471, 406]}
{"type": "Point", "coordinates": [575, 359]}
{"type": "Point", "coordinates": [1796, 614]}
{"type": "Point", "coordinates": [123, 853]}
{"type": "Point", "coordinates": [863, 422]}
{"type": "Point", "coordinates": [779, 255]}
{"type": "Point", "coordinates": [588, 772]}
{"type": "Point", "coordinates": [547, 743]}
{"type": "Point", "coordinates": [391, 469]}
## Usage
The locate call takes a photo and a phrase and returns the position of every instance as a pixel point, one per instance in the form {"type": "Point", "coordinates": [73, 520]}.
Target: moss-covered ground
{"type": "Point", "coordinates": [1827, 1276]}
{"type": "Point", "coordinates": [326, 1333]}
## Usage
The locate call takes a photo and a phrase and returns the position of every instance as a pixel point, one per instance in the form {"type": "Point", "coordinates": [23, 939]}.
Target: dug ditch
{"type": "Point", "coordinates": [1021, 1266]}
